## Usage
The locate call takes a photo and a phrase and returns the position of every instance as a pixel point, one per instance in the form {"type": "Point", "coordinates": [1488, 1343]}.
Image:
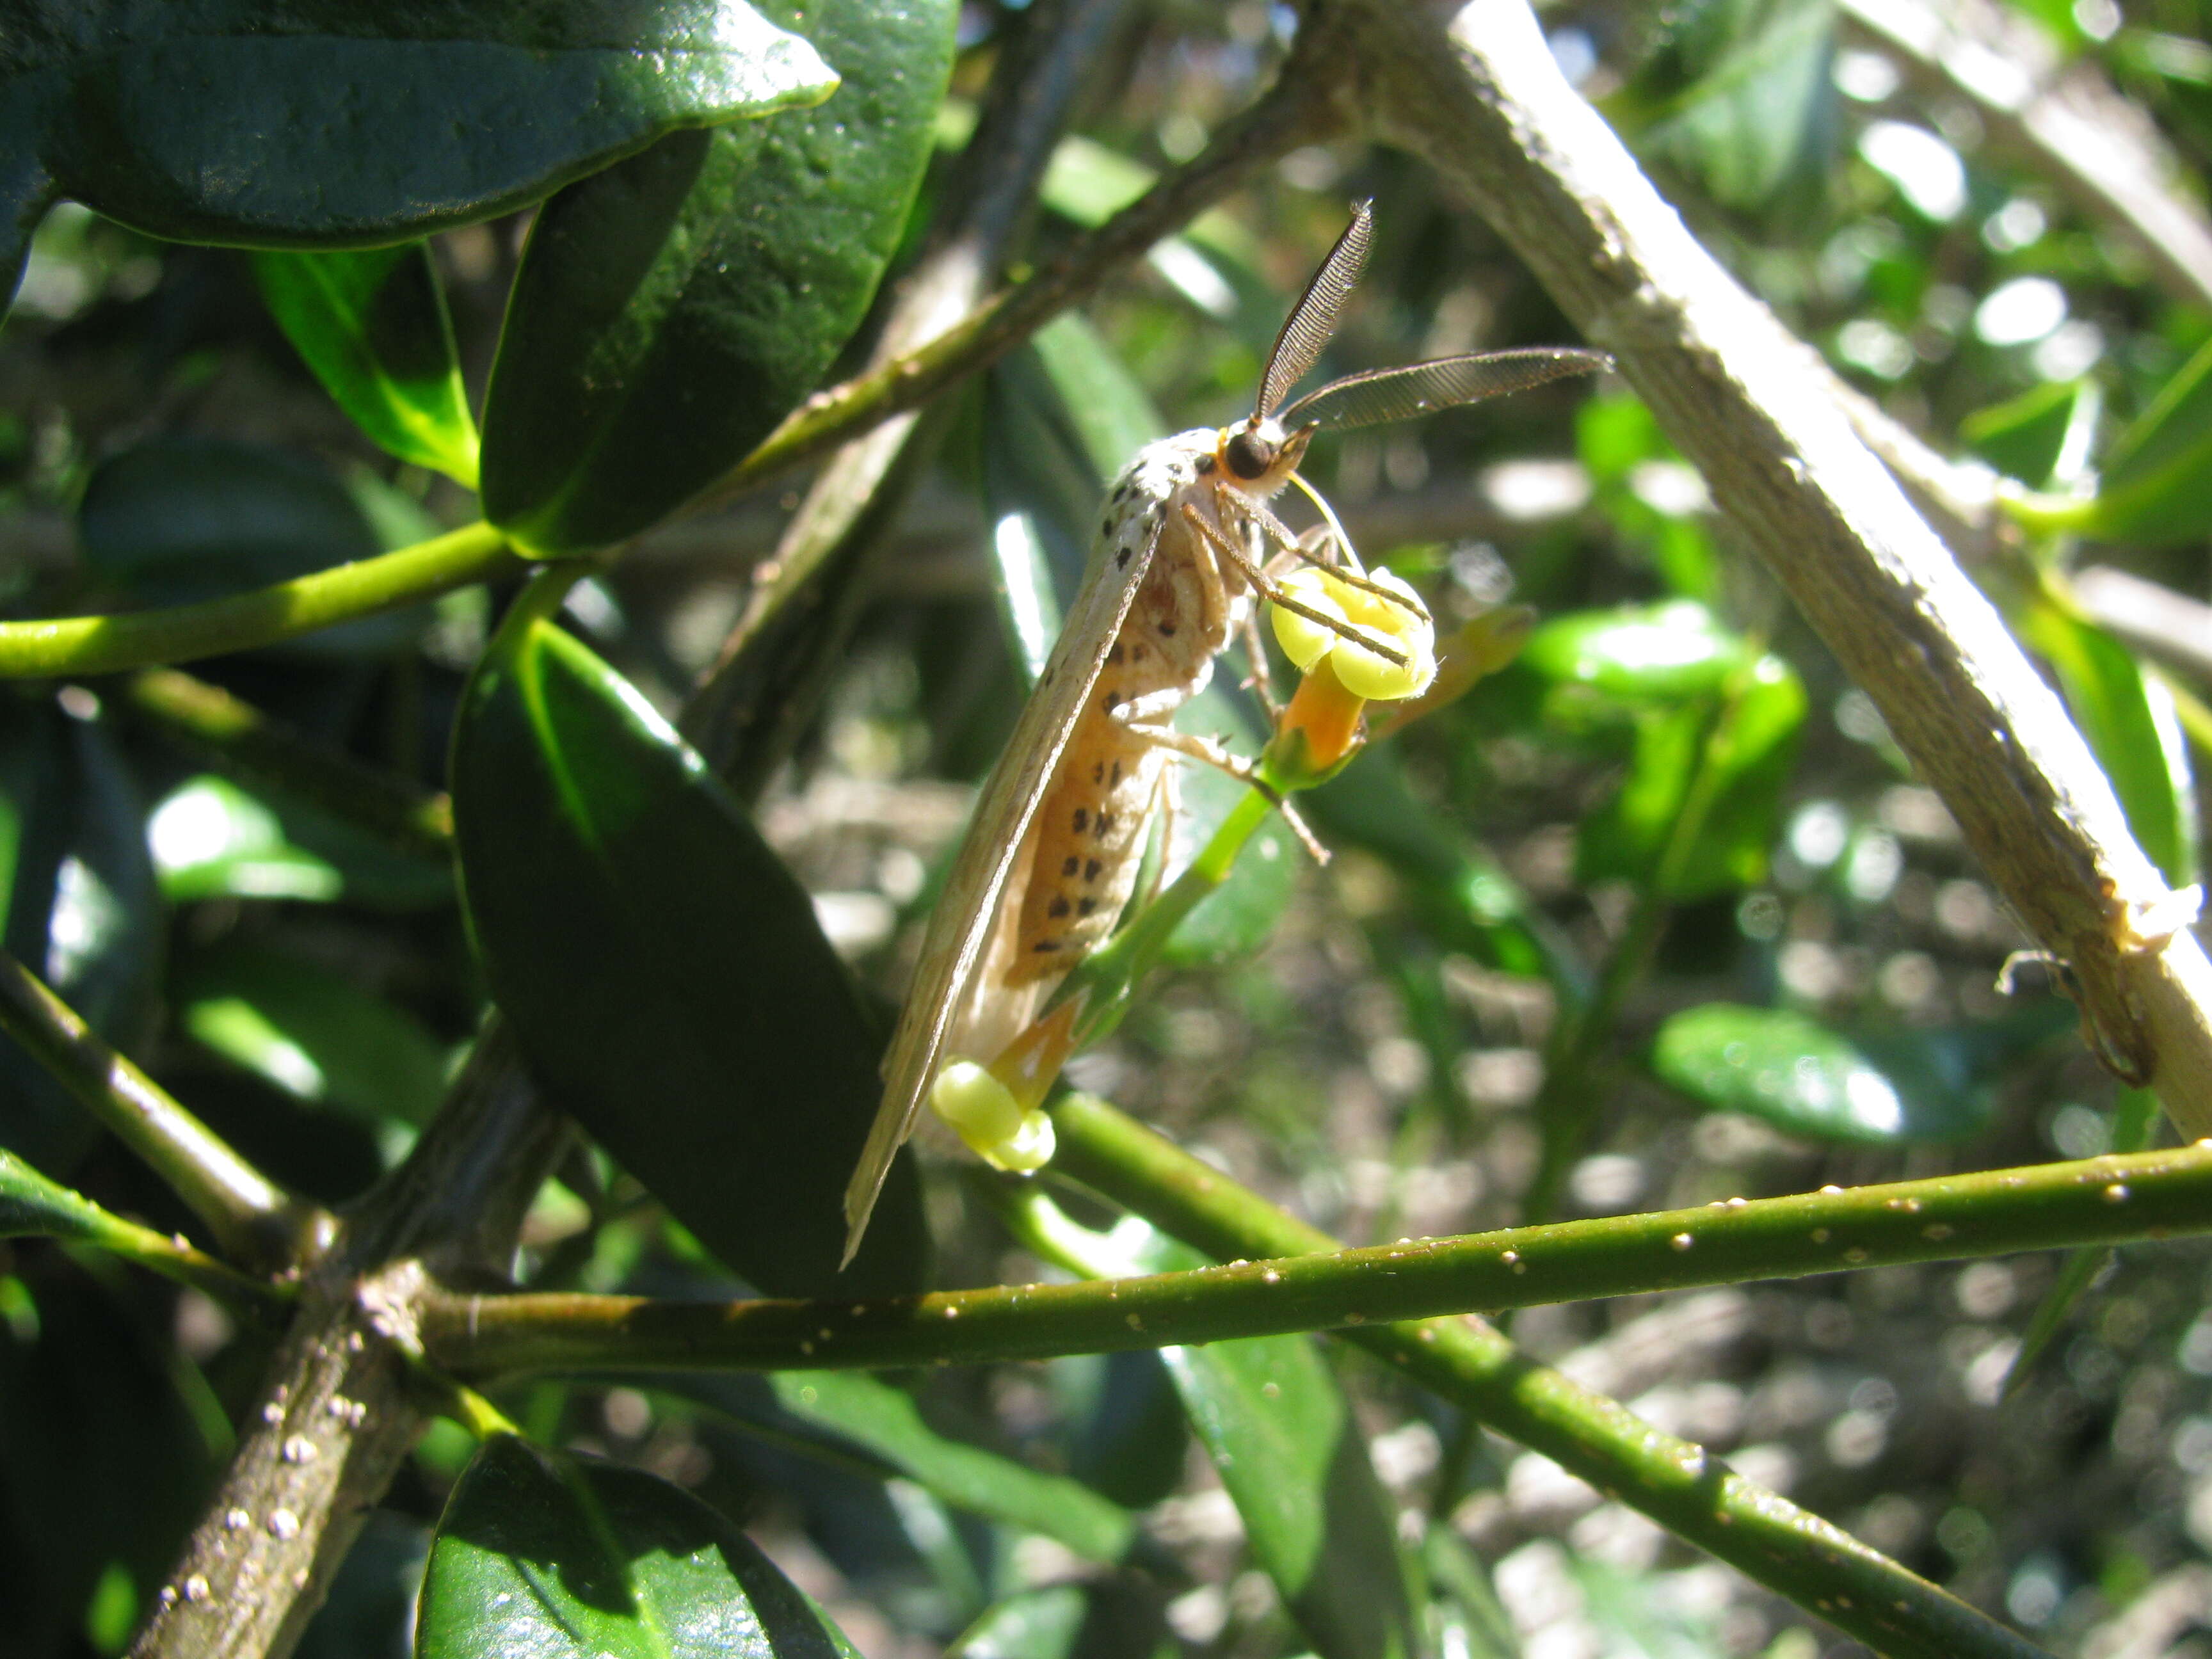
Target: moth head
{"type": "Point", "coordinates": [1258, 457]}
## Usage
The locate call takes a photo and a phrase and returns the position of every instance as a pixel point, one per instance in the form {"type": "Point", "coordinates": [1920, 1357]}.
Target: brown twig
{"type": "Point", "coordinates": [1482, 99]}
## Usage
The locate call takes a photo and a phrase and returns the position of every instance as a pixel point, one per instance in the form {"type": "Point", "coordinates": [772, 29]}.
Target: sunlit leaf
{"type": "Point", "coordinates": [371, 324]}
{"type": "Point", "coordinates": [395, 121]}
{"type": "Point", "coordinates": [554, 1555]}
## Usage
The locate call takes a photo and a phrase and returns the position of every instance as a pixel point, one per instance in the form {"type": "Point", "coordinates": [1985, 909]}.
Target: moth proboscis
{"type": "Point", "coordinates": [1051, 852]}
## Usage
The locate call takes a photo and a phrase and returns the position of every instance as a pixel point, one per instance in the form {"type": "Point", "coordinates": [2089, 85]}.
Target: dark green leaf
{"type": "Point", "coordinates": [82, 911]}
{"type": "Point", "coordinates": [1802, 1077]}
{"type": "Point", "coordinates": [2025, 437]}
{"type": "Point", "coordinates": [664, 972]}
{"type": "Point", "coordinates": [2152, 491]}
{"type": "Point", "coordinates": [1280, 1432]}
{"type": "Point", "coordinates": [272, 125]}
{"type": "Point", "coordinates": [543, 1554]}
{"type": "Point", "coordinates": [176, 520]}
{"type": "Point", "coordinates": [1132, 1442]}
{"type": "Point", "coordinates": [1106, 407]}
{"type": "Point", "coordinates": [855, 1421]}
{"type": "Point", "coordinates": [884, 1421]}
{"type": "Point", "coordinates": [671, 310]}
{"type": "Point", "coordinates": [314, 1034]}
{"type": "Point", "coordinates": [102, 1458]}
{"type": "Point", "coordinates": [2130, 723]}
{"type": "Point", "coordinates": [372, 324]}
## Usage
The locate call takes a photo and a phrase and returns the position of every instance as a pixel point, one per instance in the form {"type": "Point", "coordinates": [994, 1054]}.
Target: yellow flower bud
{"type": "Point", "coordinates": [1304, 640]}
{"type": "Point", "coordinates": [975, 1102]}
{"type": "Point", "coordinates": [1028, 1149]}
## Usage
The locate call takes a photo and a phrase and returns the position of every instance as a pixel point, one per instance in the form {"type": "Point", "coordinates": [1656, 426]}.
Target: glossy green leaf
{"type": "Point", "coordinates": [2152, 491]}
{"type": "Point", "coordinates": [1609, 661]}
{"type": "Point", "coordinates": [1282, 1435]}
{"type": "Point", "coordinates": [371, 324]}
{"type": "Point", "coordinates": [884, 1421]}
{"type": "Point", "coordinates": [2129, 720]}
{"type": "Point", "coordinates": [2029, 436]}
{"type": "Point", "coordinates": [81, 908]}
{"type": "Point", "coordinates": [1062, 416]}
{"type": "Point", "coordinates": [212, 839]}
{"type": "Point", "coordinates": [671, 310]}
{"type": "Point", "coordinates": [1803, 1078]}
{"type": "Point", "coordinates": [664, 972]}
{"type": "Point", "coordinates": [311, 1033]}
{"type": "Point", "coordinates": [271, 125]}
{"type": "Point", "coordinates": [1727, 762]}
{"type": "Point", "coordinates": [557, 1556]}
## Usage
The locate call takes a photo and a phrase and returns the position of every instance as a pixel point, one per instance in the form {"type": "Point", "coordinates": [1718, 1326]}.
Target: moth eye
{"type": "Point", "coordinates": [1248, 456]}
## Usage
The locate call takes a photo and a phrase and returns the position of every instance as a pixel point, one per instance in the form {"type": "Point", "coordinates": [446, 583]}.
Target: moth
{"type": "Point", "coordinates": [1185, 540]}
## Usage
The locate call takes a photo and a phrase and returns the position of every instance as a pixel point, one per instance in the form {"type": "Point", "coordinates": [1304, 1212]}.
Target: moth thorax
{"type": "Point", "coordinates": [1259, 456]}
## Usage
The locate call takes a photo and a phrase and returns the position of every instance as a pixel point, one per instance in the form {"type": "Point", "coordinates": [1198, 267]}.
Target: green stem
{"type": "Point", "coordinates": [255, 1222]}
{"type": "Point", "coordinates": [243, 740]}
{"type": "Point", "coordinates": [104, 645]}
{"type": "Point", "coordinates": [1692, 1494]}
{"type": "Point", "coordinates": [1325, 1288]}
{"type": "Point", "coordinates": [34, 1207]}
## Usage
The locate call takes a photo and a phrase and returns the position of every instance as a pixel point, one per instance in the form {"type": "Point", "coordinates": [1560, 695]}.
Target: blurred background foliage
{"type": "Point", "coordinates": [1656, 916]}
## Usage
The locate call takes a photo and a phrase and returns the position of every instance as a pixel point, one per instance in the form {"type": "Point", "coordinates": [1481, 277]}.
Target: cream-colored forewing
{"type": "Point", "coordinates": [961, 923]}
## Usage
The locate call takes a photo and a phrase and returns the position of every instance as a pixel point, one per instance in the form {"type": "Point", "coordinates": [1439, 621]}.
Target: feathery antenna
{"type": "Point", "coordinates": [1383, 395]}
{"type": "Point", "coordinates": [1313, 319]}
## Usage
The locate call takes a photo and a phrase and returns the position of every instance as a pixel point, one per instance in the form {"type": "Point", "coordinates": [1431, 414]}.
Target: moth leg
{"type": "Point", "coordinates": [1273, 591]}
{"type": "Point", "coordinates": [1167, 801]}
{"type": "Point", "coordinates": [1259, 680]}
{"type": "Point", "coordinates": [1313, 546]}
{"type": "Point", "coordinates": [1299, 548]}
{"type": "Point", "coordinates": [1211, 751]}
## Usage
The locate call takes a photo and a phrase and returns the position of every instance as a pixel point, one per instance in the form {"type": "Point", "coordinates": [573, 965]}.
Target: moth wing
{"type": "Point", "coordinates": [961, 923]}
